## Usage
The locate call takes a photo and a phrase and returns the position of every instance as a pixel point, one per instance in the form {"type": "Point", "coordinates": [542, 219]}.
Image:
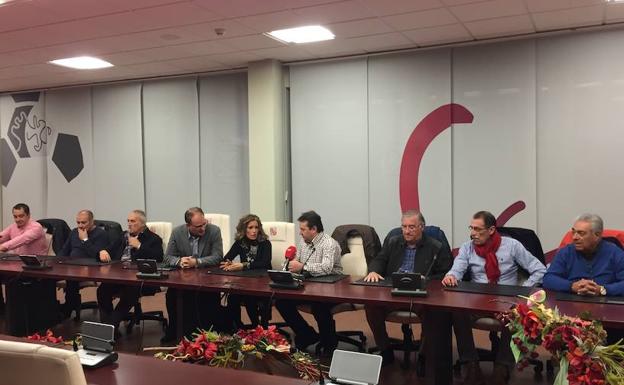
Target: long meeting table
{"type": "Point", "coordinates": [438, 300]}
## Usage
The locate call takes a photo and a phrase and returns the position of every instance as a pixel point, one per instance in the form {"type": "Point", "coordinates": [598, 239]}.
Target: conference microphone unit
{"type": "Point", "coordinates": [411, 284]}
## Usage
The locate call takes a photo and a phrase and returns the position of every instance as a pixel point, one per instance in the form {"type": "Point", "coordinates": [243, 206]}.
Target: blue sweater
{"type": "Point", "coordinates": [606, 268]}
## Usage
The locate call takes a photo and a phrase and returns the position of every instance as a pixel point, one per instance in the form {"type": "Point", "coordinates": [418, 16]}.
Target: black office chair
{"type": "Point", "coordinates": [531, 242]}
{"type": "Point", "coordinates": [135, 317]}
{"type": "Point", "coordinates": [113, 231]}
{"type": "Point", "coordinates": [406, 318]}
{"type": "Point", "coordinates": [58, 229]}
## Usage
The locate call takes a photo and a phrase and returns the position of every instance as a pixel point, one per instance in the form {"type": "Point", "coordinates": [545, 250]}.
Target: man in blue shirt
{"type": "Point", "coordinates": [589, 265]}
{"type": "Point", "coordinates": [489, 258]}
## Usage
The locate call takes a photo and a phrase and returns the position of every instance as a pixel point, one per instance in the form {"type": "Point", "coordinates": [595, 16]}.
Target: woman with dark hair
{"type": "Point", "coordinates": [254, 249]}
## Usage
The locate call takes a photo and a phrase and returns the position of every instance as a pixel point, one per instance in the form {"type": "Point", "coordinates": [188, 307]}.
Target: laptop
{"type": "Point", "coordinates": [33, 262]}
{"type": "Point", "coordinates": [97, 344]}
{"type": "Point", "coordinates": [285, 280]}
{"type": "Point", "coordinates": [408, 284]}
{"type": "Point", "coordinates": [352, 368]}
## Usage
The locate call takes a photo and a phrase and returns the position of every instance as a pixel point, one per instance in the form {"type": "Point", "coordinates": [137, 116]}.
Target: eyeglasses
{"type": "Point", "coordinates": [477, 229]}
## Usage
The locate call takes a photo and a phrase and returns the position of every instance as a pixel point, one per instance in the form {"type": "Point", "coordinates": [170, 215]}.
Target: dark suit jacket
{"type": "Point", "coordinates": [151, 246]}
{"type": "Point", "coordinates": [390, 257]}
{"type": "Point", "coordinates": [210, 246]}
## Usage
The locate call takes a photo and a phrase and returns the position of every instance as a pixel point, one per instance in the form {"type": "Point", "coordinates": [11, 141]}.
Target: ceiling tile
{"type": "Point", "coordinates": [382, 42]}
{"type": "Point", "coordinates": [460, 2]}
{"type": "Point", "coordinates": [182, 13]}
{"type": "Point", "coordinates": [511, 25]}
{"type": "Point", "coordinates": [123, 58]}
{"type": "Point", "coordinates": [335, 12]}
{"type": "Point", "coordinates": [250, 42]}
{"type": "Point", "coordinates": [196, 63]}
{"type": "Point", "coordinates": [552, 5]}
{"type": "Point", "coordinates": [489, 9]}
{"type": "Point", "coordinates": [236, 59]}
{"type": "Point", "coordinates": [153, 69]}
{"type": "Point", "coordinates": [20, 15]}
{"type": "Point", "coordinates": [285, 53]}
{"type": "Point", "coordinates": [424, 19]}
{"type": "Point", "coordinates": [438, 35]}
{"type": "Point", "coordinates": [238, 8]}
{"type": "Point", "coordinates": [359, 28]}
{"type": "Point", "coordinates": [331, 48]}
{"type": "Point", "coordinates": [208, 47]}
{"type": "Point", "coordinates": [195, 32]}
{"type": "Point", "coordinates": [384, 7]}
{"type": "Point", "coordinates": [75, 9]}
{"type": "Point", "coordinates": [277, 20]}
{"type": "Point", "coordinates": [574, 17]}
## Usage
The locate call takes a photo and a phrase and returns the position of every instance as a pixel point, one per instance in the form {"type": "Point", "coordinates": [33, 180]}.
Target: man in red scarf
{"type": "Point", "coordinates": [489, 258]}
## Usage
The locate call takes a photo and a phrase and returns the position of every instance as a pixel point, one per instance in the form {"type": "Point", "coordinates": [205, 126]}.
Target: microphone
{"type": "Point", "coordinates": [433, 261]}
{"type": "Point", "coordinates": [289, 255]}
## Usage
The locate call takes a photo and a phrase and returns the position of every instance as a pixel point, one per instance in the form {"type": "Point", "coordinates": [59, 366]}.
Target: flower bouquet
{"type": "Point", "coordinates": [576, 342]}
{"type": "Point", "coordinates": [214, 349]}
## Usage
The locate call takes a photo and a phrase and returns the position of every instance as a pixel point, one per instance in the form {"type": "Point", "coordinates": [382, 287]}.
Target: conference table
{"type": "Point", "coordinates": [438, 301]}
{"type": "Point", "coordinates": [142, 370]}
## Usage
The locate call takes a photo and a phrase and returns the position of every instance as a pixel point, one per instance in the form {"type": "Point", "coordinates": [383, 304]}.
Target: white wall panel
{"type": "Point", "coordinates": [580, 99]}
{"type": "Point", "coordinates": [171, 148]}
{"type": "Point", "coordinates": [403, 89]}
{"type": "Point", "coordinates": [494, 158]}
{"type": "Point", "coordinates": [330, 141]}
{"type": "Point", "coordinates": [224, 145]}
{"type": "Point", "coordinates": [117, 151]}
{"type": "Point", "coordinates": [69, 113]}
{"type": "Point", "coordinates": [27, 182]}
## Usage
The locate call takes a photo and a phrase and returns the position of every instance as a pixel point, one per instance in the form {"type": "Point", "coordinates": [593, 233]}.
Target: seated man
{"type": "Point", "coordinates": [138, 242]}
{"type": "Point", "coordinates": [85, 241]}
{"type": "Point", "coordinates": [25, 236]}
{"type": "Point", "coordinates": [192, 245]}
{"type": "Point", "coordinates": [489, 258]}
{"type": "Point", "coordinates": [318, 254]}
{"type": "Point", "coordinates": [412, 252]}
{"type": "Point", "coordinates": [589, 265]}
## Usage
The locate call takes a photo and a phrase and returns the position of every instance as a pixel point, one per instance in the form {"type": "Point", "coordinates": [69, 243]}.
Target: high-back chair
{"type": "Point", "coordinates": [163, 230]}
{"type": "Point", "coordinates": [28, 363]}
{"type": "Point", "coordinates": [408, 318]}
{"type": "Point", "coordinates": [281, 235]}
{"type": "Point", "coordinates": [222, 221]}
{"type": "Point", "coordinates": [113, 231]}
{"type": "Point", "coordinates": [531, 242]}
{"type": "Point", "coordinates": [57, 231]}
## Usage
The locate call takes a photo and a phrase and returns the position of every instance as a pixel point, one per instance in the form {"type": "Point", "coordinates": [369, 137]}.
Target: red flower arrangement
{"type": "Point", "coordinates": [577, 343]}
{"type": "Point", "coordinates": [214, 349]}
{"type": "Point", "coordinates": [47, 337]}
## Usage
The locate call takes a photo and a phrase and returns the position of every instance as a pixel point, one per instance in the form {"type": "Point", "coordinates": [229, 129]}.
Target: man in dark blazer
{"type": "Point", "coordinates": [411, 252]}
{"type": "Point", "coordinates": [195, 244]}
{"type": "Point", "coordinates": [138, 242]}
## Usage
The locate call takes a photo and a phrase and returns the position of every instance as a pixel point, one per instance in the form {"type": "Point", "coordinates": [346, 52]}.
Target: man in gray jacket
{"type": "Point", "coordinates": [195, 244]}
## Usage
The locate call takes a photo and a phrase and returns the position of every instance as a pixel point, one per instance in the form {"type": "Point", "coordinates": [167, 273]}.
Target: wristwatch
{"type": "Point", "coordinates": [603, 290]}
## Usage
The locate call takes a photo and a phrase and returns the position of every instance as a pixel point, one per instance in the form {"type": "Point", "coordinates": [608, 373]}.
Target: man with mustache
{"type": "Point", "coordinates": [489, 258]}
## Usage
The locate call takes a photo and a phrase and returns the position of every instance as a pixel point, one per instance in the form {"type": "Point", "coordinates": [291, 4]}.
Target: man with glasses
{"type": "Point", "coordinates": [193, 245]}
{"type": "Point", "coordinates": [85, 241]}
{"type": "Point", "coordinates": [411, 252]}
{"type": "Point", "coordinates": [489, 258]}
{"type": "Point", "coordinates": [589, 266]}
